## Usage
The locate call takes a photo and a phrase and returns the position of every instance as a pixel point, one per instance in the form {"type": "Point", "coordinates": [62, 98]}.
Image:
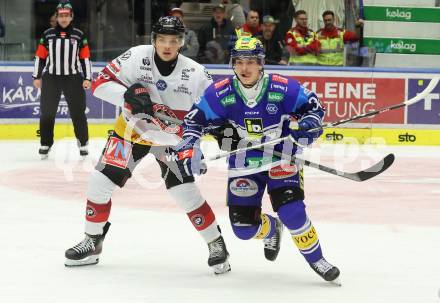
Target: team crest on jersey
{"type": "Point", "coordinates": [254, 126]}
{"type": "Point", "coordinates": [161, 85]}
{"type": "Point", "coordinates": [221, 83]}
{"type": "Point", "coordinates": [166, 126]}
{"type": "Point", "coordinates": [278, 78]}
{"type": "Point", "coordinates": [117, 152]}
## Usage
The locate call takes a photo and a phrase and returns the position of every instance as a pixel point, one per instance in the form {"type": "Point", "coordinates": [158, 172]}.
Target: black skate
{"type": "Point", "coordinates": [272, 244]}
{"type": "Point", "coordinates": [327, 271]}
{"type": "Point", "coordinates": [83, 151]}
{"type": "Point", "coordinates": [44, 151]}
{"type": "Point", "coordinates": [218, 256]}
{"type": "Point", "coordinates": [87, 251]}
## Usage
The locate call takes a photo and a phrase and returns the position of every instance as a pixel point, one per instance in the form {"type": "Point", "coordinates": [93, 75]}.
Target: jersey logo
{"type": "Point", "coordinates": [161, 85]}
{"type": "Point", "coordinates": [254, 126]}
{"type": "Point", "coordinates": [117, 153]}
{"type": "Point", "coordinates": [125, 56]}
{"type": "Point", "coordinates": [283, 171]}
{"type": "Point", "coordinates": [228, 100]}
{"type": "Point", "coordinates": [221, 83]}
{"type": "Point", "coordinates": [271, 108]}
{"type": "Point", "coordinates": [146, 61]}
{"type": "Point", "coordinates": [275, 97]}
{"type": "Point", "coordinates": [280, 79]}
{"type": "Point", "coordinates": [243, 187]}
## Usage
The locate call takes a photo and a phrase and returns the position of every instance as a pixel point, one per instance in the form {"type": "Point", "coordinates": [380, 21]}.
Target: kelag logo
{"type": "Point", "coordinates": [407, 138]}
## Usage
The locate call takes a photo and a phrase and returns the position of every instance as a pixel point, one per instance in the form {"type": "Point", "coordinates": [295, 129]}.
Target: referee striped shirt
{"type": "Point", "coordinates": [63, 52]}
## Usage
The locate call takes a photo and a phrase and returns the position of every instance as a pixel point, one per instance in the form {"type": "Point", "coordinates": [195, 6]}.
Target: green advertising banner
{"type": "Point", "coordinates": [403, 14]}
{"type": "Point", "coordinates": [404, 46]}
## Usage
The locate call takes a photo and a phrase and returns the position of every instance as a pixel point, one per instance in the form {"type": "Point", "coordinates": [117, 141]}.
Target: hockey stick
{"type": "Point", "coordinates": [359, 176]}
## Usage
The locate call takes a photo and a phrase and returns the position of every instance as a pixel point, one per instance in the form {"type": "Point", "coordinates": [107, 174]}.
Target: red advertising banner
{"type": "Point", "coordinates": [346, 97]}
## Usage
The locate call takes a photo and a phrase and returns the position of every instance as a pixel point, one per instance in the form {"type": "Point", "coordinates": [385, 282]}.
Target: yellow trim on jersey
{"type": "Point", "coordinates": [265, 227]}
{"type": "Point", "coordinates": [307, 239]}
{"type": "Point", "coordinates": [121, 128]}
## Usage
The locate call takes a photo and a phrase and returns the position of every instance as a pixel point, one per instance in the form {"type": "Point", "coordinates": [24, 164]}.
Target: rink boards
{"type": "Point", "coordinates": [344, 92]}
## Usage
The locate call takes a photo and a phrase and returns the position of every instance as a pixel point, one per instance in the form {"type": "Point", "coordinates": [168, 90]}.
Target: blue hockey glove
{"type": "Point", "coordinates": [190, 157]}
{"type": "Point", "coordinates": [302, 135]}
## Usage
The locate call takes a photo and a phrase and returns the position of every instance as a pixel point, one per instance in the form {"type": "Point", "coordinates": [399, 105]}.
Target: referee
{"type": "Point", "coordinates": [62, 64]}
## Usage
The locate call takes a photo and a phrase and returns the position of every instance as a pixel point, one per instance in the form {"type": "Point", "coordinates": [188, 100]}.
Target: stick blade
{"type": "Point", "coordinates": [374, 170]}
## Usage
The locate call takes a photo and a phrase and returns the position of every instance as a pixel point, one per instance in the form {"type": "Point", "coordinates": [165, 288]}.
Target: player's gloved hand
{"type": "Point", "coordinates": [227, 137]}
{"type": "Point", "coordinates": [137, 100]}
{"type": "Point", "coordinates": [190, 157]}
{"type": "Point", "coordinates": [303, 134]}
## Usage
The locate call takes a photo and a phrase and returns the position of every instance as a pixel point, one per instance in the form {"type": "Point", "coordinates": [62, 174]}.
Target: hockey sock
{"type": "Point", "coordinates": [189, 198]}
{"type": "Point", "coordinates": [267, 227]}
{"type": "Point", "coordinates": [304, 235]}
{"type": "Point", "coordinates": [96, 217]}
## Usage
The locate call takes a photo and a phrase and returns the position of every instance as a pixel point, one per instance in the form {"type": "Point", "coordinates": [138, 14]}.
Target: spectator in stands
{"type": "Point", "coordinates": [301, 42]}
{"type": "Point", "coordinates": [219, 30]}
{"type": "Point", "coordinates": [332, 40]}
{"type": "Point", "coordinates": [191, 45]}
{"type": "Point", "coordinates": [252, 26]}
{"type": "Point", "coordinates": [235, 12]}
{"type": "Point", "coordinates": [273, 46]}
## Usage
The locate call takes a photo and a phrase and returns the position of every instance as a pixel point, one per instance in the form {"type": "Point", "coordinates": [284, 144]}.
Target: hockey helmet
{"type": "Point", "coordinates": [168, 25]}
{"type": "Point", "coordinates": [247, 47]}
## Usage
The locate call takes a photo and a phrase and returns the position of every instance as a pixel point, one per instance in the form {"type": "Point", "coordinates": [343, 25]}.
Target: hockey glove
{"type": "Point", "coordinates": [302, 134]}
{"type": "Point", "coordinates": [190, 158]}
{"type": "Point", "coordinates": [226, 136]}
{"type": "Point", "coordinates": [137, 100]}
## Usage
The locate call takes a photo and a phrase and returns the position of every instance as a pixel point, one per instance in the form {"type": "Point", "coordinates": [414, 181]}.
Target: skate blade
{"type": "Point", "coordinates": [91, 260]}
{"type": "Point", "coordinates": [336, 282]}
{"type": "Point", "coordinates": [221, 268]}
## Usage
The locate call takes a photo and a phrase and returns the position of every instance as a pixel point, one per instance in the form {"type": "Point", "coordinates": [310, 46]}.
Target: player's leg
{"type": "Point", "coordinates": [76, 101]}
{"type": "Point", "coordinates": [286, 192]}
{"type": "Point", "coordinates": [247, 220]}
{"type": "Point", "coordinates": [188, 197]}
{"type": "Point", "coordinates": [115, 167]}
{"type": "Point", "coordinates": [50, 98]}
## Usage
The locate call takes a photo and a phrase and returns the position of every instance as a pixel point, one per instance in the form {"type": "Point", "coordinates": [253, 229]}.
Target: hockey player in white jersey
{"type": "Point", "coordinates": [143, 81]}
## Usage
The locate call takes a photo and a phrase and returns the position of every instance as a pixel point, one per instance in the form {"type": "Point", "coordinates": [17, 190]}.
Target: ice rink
{"type": "Point", "coordinates": [383, 234]}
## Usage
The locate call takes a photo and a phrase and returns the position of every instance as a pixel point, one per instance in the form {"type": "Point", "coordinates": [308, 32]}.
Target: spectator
{"type": "Point", "coordinates": [332, 40]}
{"type": "Point", "coordinates": [252, 26]}
{"type": "Point", "coordinates": [53, 21]}
{"type": "Point", "coordinates": [62, 65]}
{"type": "Point", "coordinates": [219, 30]}
{"type": "Point", "coordinates": [2, 28]}
{"type": "Point", "coordinates": [301, 42]}
{"type": "Point", "coordinates": [273, 46]}
{"type": "Point", "coordinates": [235, 13]}
{"type": "Point", "coordinates": [190, 46]}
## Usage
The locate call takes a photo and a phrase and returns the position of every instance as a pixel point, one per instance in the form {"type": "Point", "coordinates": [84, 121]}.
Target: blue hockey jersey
{"type": "Point", "coordinates": [265, 118]}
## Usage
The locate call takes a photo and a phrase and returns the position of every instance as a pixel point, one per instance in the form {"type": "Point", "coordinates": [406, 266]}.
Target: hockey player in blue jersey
{"type": "Point", "coordinates": [261, 106]}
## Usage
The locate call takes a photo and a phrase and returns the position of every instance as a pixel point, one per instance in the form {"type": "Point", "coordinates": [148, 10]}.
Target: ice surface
{"type": "Point", "coordinates": [384, 234]}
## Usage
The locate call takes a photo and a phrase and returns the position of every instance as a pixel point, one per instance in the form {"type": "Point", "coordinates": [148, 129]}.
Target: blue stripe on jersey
{"type": "Point", "coordinates": [204, 106]}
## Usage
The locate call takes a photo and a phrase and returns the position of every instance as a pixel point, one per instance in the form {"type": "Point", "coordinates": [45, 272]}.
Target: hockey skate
{"type": "Point", "coordinates": [218, 256]}
{"type": "Point", "coordinates": [272, 244]}
{"type": "Point", "coordinates": [44, 152]}
{"type": "Point", "coordinates": [83, 151]}
{"type": "Point", "coordinates": [87, 251]}
{"type": "Point", "coordinates": [327, 271]}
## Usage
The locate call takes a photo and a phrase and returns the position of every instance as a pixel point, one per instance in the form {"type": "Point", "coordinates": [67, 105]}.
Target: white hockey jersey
{"type": "Point", "coordinates": [172, 95]}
